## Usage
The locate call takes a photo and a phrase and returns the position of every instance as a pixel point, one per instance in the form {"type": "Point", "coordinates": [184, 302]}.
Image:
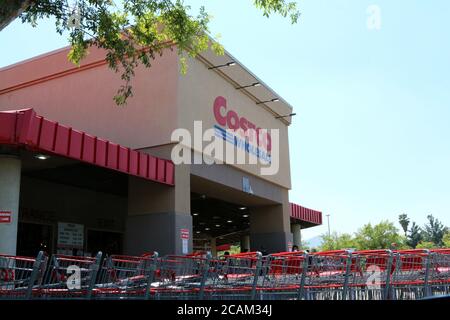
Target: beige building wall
{"type": "Point", "coordinates": [197, 91]}
{"type": "Point", "coordinates": [82, 97]}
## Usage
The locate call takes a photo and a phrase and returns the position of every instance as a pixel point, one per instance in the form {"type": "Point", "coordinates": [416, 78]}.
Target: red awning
{"type": "Point", "coordinates": [26, 128]}
{"type": "Point", "coordinates": [305, 214]}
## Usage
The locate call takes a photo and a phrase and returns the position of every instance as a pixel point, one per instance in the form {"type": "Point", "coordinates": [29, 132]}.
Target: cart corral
{"type": "Point", "coordinates": [330, 275]}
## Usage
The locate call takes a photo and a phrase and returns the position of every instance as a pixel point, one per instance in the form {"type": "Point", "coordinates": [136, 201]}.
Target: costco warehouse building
{"type": "Point", "coordinates": [79, 174]}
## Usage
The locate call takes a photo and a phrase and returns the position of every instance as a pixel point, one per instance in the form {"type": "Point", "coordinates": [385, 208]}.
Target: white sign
{"type": "Point", "coordinates": [5, 216]}
{"type": "Point", "coordinates": [246, 187]}
{"type": "Point", "coordinates": [185, 235]}
{"type": "Point", "coordinates": [185, 246]}
{"type": "Point", "coordinates": [70, 235]}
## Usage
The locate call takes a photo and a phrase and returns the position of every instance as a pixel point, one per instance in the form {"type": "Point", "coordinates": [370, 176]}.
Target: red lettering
{"type": "Point", "coordinates": [258, 137]}
{"type": "Point", "coordinates": [232, 120]}
{"type": "Point", "coordinates": [219, 103]}
{"type": "Point", "coordinates": [243, 124]}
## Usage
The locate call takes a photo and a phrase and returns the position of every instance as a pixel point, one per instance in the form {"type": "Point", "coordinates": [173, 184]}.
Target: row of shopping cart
{"type": "Point", "coordinates": [331, 275]}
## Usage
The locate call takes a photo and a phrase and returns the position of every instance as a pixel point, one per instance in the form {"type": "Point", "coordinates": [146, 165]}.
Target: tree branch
{"type": "Point", "coordinates": [11, 9]}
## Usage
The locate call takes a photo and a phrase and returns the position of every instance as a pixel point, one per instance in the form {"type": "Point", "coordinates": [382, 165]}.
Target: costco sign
{"type": "Point", "coordinates": [247, 135]}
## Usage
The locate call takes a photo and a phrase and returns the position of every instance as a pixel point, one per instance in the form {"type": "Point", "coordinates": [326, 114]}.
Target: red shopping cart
{"type": "Point", "coordinates": [180, 277]}
{"type": "Point", "coordinates": [326, 277]}
{"type": "Point", "coordinates": [370, 275]}
{"type": "Point", "coordinates": [126, 277]}
{"type": "Point", "coordinates": [283, 276]}
{"type": "Point", "coordinates": [439, 274]}
{"type": "Point", "coordinates": [234, 277]}
{"type": "Point", "coordinates": [410, 278]}
{"type": "Point", "coordinates": [70, 277]}
{"type": "Point", "coordinates": [21, 276]}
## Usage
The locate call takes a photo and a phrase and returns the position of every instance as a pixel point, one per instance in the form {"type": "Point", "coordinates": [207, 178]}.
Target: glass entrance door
{"type": "Point", "coordinates": [104, 241]}
{"type": "Point", "coordinates": [33, 237]}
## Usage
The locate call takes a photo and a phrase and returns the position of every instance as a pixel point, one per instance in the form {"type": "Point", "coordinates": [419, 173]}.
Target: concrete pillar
{"type": "Point", "coordinates": [297, 234]}
{"type": "Point", "coordinates": [270, 227]}
{"type": "Point", "coordinates": [245, 243]}
{"type": "Point", "coordinates": [158, 213]}
{"type": "Point", "coordinates": [10, 170]}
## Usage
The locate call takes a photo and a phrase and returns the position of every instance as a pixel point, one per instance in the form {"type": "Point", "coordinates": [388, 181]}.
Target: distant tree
{"type": "Point", "coordinates": [380, 236]}
{"type": "Point", "coordinates": [404, 222]}
{"type": "Point", "coordinates": [446, 239]}
{"type": "Point", "coordinates": [426, 245]}
{"type": "Point", "coordinates": [434, 231]}
{"type": "Point", "coordinates": [305, 245]}
{"type": "Point", "coordinates": [415, 236]}
{"type": "Point", "coordinates": [385, 235]}
{"type": "Point", "coordinates": [337, 241]}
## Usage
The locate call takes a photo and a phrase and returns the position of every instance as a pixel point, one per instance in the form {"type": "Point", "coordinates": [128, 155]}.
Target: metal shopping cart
{"type": "Point", "coordinates": [370, 275]}
{"type": "Point", "coordinates": [180, 277]}
{"type": "Point", "coordinates": [126, 277]}
{"type": "Point", "coordinates": [411, 275]}
{"type": "Point", "coordinates": [439, 274]}
{"type": "Point", "coordinates": [21, 276]}
{"type": "Point", "coordinates": [69, 277]}
{"type": "Point", "coordinates": [283, 276]}
{"type": "Point", "coordinates": [234, 277]}
{"type": "Point", "coordinates": [326, 277]}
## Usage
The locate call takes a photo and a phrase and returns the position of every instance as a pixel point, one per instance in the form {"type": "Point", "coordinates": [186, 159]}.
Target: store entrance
{"type": "Point", "coordinates": [106, 241]}
{"type": "Point", "coordinates": [219, 225]}
{"type": "Point", "coordinates": [34, 237]}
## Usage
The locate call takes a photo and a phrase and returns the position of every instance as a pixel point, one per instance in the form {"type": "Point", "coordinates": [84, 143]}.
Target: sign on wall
{"type": "Point", "coordinates": [5, 216]}
{"type": "Point", "coordinates": [246, 186]}
{"type": "Point", "coordinates": [70, 235]}
{"type": "Point", "coordinates": [184, 234]}
{"type": "Point", "coordinates": [259, 145]}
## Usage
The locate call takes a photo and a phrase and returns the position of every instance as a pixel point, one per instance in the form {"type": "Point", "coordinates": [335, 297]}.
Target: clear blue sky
{"type": "Point", "coordinates": [372, 135]}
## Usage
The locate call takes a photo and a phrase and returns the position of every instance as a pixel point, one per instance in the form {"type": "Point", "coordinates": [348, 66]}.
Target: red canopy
{"type": "Point", "coordinates": [27, 129]}
{"type": "Point", "coordinates": [304, 214]}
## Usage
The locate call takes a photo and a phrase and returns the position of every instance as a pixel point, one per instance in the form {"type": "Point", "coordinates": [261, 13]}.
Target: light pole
{"type": "Point", "coordinates": [328, 219]}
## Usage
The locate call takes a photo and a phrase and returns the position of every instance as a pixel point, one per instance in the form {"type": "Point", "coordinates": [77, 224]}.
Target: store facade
{"type": "Point", "coordinates": [82, 174]}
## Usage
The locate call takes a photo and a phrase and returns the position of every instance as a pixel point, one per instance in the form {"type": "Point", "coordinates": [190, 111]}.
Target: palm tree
{"type": "Point", "coordinates": [404, 222]}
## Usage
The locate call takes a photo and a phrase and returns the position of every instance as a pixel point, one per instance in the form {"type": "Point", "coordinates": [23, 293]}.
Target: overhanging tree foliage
{"type": "Point", "coordinates": [132, 32]}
